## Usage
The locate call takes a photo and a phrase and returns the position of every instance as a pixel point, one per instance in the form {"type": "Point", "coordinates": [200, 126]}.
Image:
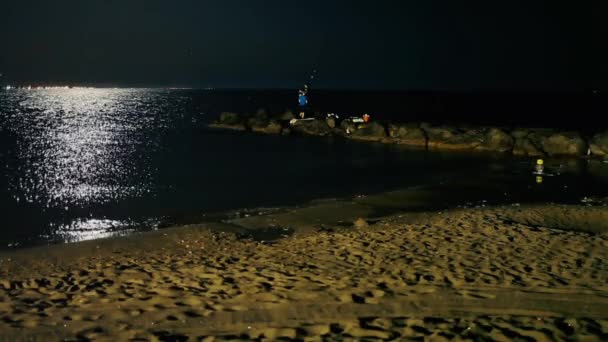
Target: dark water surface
{"type": "Point", "coordinates": [79, 164]}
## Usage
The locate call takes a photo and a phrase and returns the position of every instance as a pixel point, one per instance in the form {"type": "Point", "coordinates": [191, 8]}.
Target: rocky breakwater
{"type": "Point", "coordinates": [533, 142]}
{"type": "Point", "coordinates": [476, 139]}
{"type": "Point", "coordinates": [260, 122]}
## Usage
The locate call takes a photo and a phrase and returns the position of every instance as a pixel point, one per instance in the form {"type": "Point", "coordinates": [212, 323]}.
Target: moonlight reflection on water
{"type": "Point", "coordinates": [78, 148]}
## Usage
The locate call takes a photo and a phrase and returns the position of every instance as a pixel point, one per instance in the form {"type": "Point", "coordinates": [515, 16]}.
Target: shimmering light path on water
{"type": "Point", "coordinates": [82, 148]}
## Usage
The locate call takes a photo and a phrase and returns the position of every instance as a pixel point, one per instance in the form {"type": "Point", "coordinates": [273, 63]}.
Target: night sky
{"type": "Point", "coordinates": [429, 45]}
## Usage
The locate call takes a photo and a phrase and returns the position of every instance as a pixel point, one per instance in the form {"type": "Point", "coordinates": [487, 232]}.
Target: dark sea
{"type": "Point", "coordinates": [80, 164]}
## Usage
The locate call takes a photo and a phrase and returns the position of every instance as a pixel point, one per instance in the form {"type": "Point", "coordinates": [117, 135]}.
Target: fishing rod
{"type": "Point", "coordinates": [313, 74]}
{"type": "Point", "coordinates": [311, 78]}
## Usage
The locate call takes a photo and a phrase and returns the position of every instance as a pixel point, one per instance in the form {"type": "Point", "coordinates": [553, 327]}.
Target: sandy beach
{"type": "Point", "coordinates": [484, 273]}
{"type": "Point", "coordinates": [303, 171]}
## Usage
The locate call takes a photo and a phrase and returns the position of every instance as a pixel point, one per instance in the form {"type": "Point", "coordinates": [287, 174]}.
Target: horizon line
{"type": "Point", "coordinates": [21, 85]}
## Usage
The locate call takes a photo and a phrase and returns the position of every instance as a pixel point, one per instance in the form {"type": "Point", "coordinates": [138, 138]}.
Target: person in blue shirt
{"type": "Point", "coordinates": [303, 101]}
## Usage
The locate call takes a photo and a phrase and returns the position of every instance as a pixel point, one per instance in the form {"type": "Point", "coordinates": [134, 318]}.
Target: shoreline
{"type": "Point", "coordinates": [319, 216]}
{"type": "Point", "coordinates": [267, 222]}
{"type": "Point", "coordinates": [499, 272]}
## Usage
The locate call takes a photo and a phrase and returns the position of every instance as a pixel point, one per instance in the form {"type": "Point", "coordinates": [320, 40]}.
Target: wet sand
{"type": "Point", "coordinates": [497, 273]}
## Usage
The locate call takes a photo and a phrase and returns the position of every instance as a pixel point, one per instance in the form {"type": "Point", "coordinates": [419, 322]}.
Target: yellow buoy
{"type": "Point", "coordinates": [539, 168]}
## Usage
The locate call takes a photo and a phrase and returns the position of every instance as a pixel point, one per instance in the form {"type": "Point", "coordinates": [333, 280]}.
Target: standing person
{"type": "Point", "coordinates": [303, 101]}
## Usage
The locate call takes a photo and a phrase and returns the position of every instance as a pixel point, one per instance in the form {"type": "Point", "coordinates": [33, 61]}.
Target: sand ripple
{"type": "Point", "coordinates": [483, 274]}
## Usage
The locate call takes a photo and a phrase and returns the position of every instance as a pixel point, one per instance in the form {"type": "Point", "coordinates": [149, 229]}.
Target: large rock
{"type": "Point", "coordinates": [273, 127]}
{"type": "Point", "coordinates": [425, 125]}
{"type": "Point", "coordinates": [256, 123]}
{"type": "Point", "coordinates": [369, 131]}
{"type": "Point", "coordinates": [497, 140]}
{"type": "Point", "coordinates": [525, 147]}
{"type": "Point", "coordinates": [402, 130]}
{"type": "Point", "coordinates": [408, 134]}
{"type": "Point", "coordinates": [564, 144]}
{"type": "Point", "coordinates": [469, 138]}
{"type": "Point", "coordinates": [233, 127]}
{"type": "Point", "coordinates": [599, 144]}
{"type": "Point", "coordinates": [331, 122]}
{"type": "Point", "coordinates": [311, 127]}
{"type": "Point", "coordinates": [287, 116]}
{"type": "Point", "coordinates": [348, 127]}
{"type": "Point", "coordinates": [538, 136]}
{"type": "Point", "coordinates": [261, 114]}
{"type": "Point", "coordinates": [520, 133]}
{"type": "Point", "coordinates": [448, 138]}
{"type": "Point", "coordinates": [258, 120]}
{"type": "Point", "coordinates": [229, 118]}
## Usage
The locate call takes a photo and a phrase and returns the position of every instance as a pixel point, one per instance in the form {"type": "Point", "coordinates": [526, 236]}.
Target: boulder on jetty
{"type": "Point", "coordinates": [520, 133]}
{"type": "Point", "coordinates": [261, 123]}
{"type": "Point", "coordinates": [540, 142]}
{"type": "Point", "coordinates": [599, 144]}
{"type": "Point", "coordinates": [408, 134]}
{"type": "Point", "coordinates": [331, 122]}
{"type": "Point", "coordinates": [497, 140]}
{"type": "Point", "coordinates": [287, 116]}
{"type": "Point", "coordinates": [524, 145]}
{"type": "Point", "coordinates": [229, 120]}
{"type": "Point", "coordinates": [348, 127]}
{"type": "Point", "coordinates": [469, 138]}
{"type": "Point", "coordinates": [372, 131]}
{"type": "Point", "coordinates": [254, 123]}
{"type": "Point", "coordinates": [448, 138]}
{"type": "Point", "coordinates": [258, 123]}
{"type": "Point", "coordinates": [558, 144]}
{"type": "Point", "coordinates": [272, 127]}
{"type": "Point", "coordinates": [260, 119]}
{"type": "Point", "coordinates": [565, 144]}
{"type": "Point", "coordinates": [311, 127]}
